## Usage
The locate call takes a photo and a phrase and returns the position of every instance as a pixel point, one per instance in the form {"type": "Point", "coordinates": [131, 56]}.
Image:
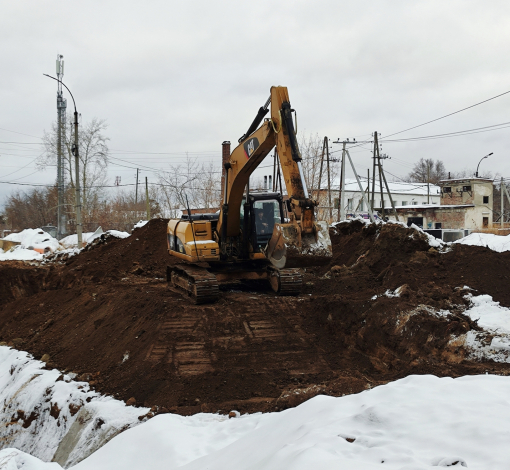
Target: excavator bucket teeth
{"type": "Point", "coordinates": [291, 248]}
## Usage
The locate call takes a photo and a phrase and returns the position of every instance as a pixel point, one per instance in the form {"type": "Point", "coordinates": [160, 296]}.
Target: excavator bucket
{"type": "Point", "coordinates": [289, 247]}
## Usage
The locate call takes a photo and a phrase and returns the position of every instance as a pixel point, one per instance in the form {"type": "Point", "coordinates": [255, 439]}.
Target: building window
{"type": "Point", "coordinates": [438, 225]}
{"type": "Point", "coordinates": [447, 189]}
{"type": "Point", "coordinates": [349, 204]}
{"type": "Point", "coordinates": [404, 203]}
{"type": "Point", "coordinates": [268, 183]}
{"type": "Point", "coordinates": [485, 222]}
{"type": "Point", "coordinates": [395, 202]}
{"type": "Point", "coordinates": [466, 188]}
{"type": "Point", "coordinates": [415, 203]}
{"type": "Point", "coordinates": [486, 199]}
{"type": "Point", "coordinates": [361, 205]}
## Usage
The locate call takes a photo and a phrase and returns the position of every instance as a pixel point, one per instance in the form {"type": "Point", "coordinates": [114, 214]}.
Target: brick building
{"type": "Point", "coordinates": [465, 204]}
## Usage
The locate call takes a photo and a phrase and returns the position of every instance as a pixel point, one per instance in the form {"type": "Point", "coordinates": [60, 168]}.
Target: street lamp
{"type": "Point", "coordinates": [481, 162]}
{"type": "Point", "coordinates": [75, 152]}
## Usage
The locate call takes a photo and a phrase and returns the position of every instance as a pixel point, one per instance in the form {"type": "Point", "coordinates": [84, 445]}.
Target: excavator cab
{"type": "Point", "coordinates": [266, 210]}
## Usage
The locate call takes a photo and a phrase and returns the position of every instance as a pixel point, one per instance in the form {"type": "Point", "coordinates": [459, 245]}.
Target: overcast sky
{"type": "Point", "coordinates": [176, 77]}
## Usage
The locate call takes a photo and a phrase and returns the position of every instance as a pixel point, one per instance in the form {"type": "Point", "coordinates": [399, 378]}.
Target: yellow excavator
{"type": "Point", "coordinates": [255, 235]}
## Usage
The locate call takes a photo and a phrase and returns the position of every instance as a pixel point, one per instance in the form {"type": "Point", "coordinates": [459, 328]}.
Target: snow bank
{"type": "Point", "coordinates": [497, 243]}
{"type": "Point", "coordinates": [34, 237]}
{"type": "Point", "coordinates": [19, 253]}
{"type": "Point", "coordinates": [13, 459]}
{"type": "Point", "coordinates": [29, 238]}
{"type": "Point", "coordinates": [72, 240]}
{"type": "Point", "coordinates": [49, 416]}
{"type": "Point", "coordinates": [493, 343]}
{"type": "Point", "coordinates": [419, 422]}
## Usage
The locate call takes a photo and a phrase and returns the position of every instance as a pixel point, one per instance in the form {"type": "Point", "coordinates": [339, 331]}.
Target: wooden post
{"type": "Point", "coordinates": [502, 203]}
{"type": "Point", "coordinates": [147, 199]}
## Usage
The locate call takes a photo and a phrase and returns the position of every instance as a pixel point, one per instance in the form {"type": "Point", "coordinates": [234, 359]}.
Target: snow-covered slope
{"type": "Point", "coordinates": [49, 416]}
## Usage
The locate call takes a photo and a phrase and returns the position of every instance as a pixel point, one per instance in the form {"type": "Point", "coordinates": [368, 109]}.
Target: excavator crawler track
{"type": "Point", "coordinates": [286, 281]}
{"type": "Point", "coordinates": [199, 284]}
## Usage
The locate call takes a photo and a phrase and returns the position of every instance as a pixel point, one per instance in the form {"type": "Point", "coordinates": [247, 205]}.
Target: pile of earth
{"type": "Point", "coordinates": [108, 316]}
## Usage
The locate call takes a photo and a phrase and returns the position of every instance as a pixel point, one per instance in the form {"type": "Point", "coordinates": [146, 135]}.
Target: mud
{"type": "Point", "coordinates": [108, 316]}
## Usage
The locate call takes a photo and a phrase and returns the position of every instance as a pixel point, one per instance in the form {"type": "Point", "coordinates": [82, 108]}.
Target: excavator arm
{"type": "Point", "coordinates": [302, 241]}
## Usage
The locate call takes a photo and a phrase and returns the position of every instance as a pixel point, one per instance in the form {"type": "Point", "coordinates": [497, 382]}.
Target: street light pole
{"type": "Point", "coordinates": [481, 162]}
{"type": "Point", "coordinates": [75, 152]}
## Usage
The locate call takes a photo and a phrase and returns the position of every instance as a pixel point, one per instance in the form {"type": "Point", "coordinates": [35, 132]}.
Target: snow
{"type": "Point", "coordinates": [88, 237]}
{"type": "Point", "coordinates": [34, 237]}
{"type": "Point", "coordinates": [29, 239]}
{"type": "Point", "coordinates": [141, 224]}
{"type": "Point", "coordinates": [20, 254]}
{"type": "Point", "coordinates": [493, 343]}
{"type": "Point", "coordinates": [418, 422]}
{"type": "Point", "coordinates": [52, 417]}
{"type": "Point", "coordinates": [13, 459]}
{"type": "Point", "coordinates": [497, 243]}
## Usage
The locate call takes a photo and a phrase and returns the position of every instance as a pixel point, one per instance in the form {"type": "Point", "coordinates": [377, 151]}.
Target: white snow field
{"type": "Point", "coordinates": [420, 422]}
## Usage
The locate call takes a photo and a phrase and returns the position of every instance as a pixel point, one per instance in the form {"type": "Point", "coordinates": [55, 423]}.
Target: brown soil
{"type": "Point", "coordinates": [109, 316]}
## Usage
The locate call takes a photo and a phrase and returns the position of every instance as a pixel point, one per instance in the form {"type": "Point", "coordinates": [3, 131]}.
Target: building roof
{"type": "Point", "coordinates": [415, 189]}
{"type": "Point", "coordinates": [461, 180]}
{"type": "Point", "coordinates": [423, 207]}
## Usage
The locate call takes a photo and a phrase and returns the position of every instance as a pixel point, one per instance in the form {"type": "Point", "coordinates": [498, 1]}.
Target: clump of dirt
{"type": "Point", "coordinates": [109, 316]}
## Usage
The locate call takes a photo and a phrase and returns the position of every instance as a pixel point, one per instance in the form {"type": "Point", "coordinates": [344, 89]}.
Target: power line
{"type": "Point", "coordinates": [450, 114]}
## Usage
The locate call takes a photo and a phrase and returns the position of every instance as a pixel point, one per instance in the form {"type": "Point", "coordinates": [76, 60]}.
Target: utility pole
{"type": "Point", "coordinates": [341, 195]}
{"type": "Point", "coordinates": [147, 199]}
{"type": "Point", "coordinates": [368, 189]}
{"type": "Point", "coordinates": [75, 150]}
{"type": "Point", "coordinates": [359, 185]}
{"type": "Point", "coordinates": [428, 183]}
{"type": "Point", "coordinates": [372, 197]}
{"type": "Point", "coordinates": [136, 191]}
{"type": "Point", "coordinates": [325, 151]}
{"type": "Point", "coordinates": [61, 119]}
{"type": "Point", "coordinates": [382, 177]}
{"type": "Point", "coordinates": [376, 146]}
{"type": "Point", "coordinates": [502, 203]}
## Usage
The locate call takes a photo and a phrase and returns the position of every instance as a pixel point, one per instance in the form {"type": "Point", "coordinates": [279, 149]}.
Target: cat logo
{"type": "Point", "coordinates": [250, 146]}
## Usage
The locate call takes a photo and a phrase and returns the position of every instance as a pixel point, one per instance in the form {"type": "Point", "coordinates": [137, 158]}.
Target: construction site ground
{"type": "Point", "coordinates": [109, 316]}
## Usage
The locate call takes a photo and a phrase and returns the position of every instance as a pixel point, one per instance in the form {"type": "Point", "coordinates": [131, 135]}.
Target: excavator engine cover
{"type": "Point", "coordinates": [290, 247]}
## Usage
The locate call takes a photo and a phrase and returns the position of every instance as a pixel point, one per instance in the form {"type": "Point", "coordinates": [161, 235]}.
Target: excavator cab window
{"type": "Point", "coordinates": [265, 214]}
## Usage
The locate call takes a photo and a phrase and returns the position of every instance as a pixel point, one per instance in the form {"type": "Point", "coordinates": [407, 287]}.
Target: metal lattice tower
{"type": "Point", "coordinates": [61, 133]}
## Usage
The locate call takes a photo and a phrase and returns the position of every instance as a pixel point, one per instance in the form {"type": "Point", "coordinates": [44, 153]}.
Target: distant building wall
{"type": "Point", "coordinates": [476, 191]}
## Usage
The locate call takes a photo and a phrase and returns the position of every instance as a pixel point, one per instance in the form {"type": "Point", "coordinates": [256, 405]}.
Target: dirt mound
{"type": "Point", "coordinates": [108, 315]}
{"type": "Point", "coordinates": [143, 253]}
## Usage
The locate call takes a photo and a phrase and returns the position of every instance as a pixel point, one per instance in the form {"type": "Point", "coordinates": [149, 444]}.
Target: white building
{"type": "Point", "coordinates": [403, 194]}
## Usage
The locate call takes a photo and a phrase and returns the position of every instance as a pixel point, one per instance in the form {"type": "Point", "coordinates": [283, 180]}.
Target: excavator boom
{"type": "Point", "coordinates": [302, 241]}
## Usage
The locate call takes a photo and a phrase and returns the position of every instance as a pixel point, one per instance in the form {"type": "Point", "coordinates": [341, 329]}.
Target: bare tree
{"type": "Point", "coordinates": [427, 171]}
{"type": "Point", "coordinates": [94, 155]}
{"type": "Point", "coordinates": [191, 183]}
{"type": "Point", "coordinates": [31, 209]}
